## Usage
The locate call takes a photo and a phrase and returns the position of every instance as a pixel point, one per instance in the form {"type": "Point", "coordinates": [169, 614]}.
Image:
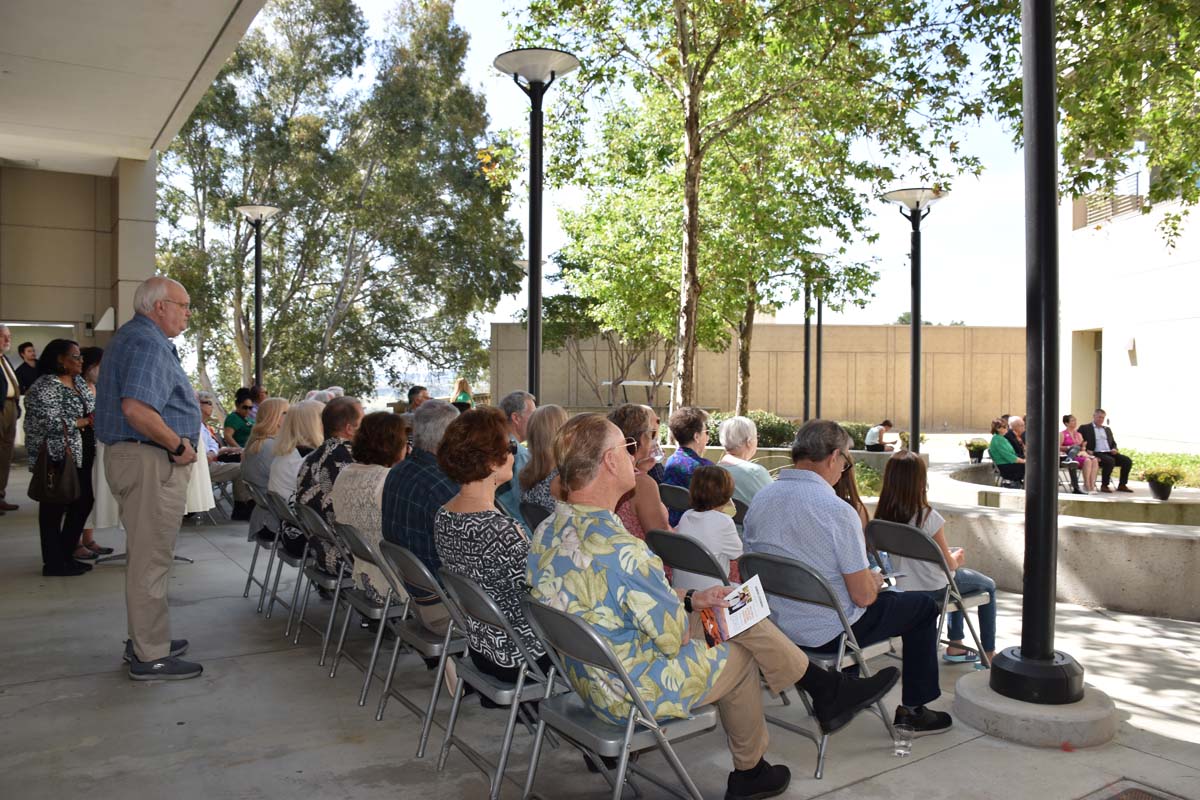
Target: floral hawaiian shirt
{"type": "Point", "coordinates": [586, 563]}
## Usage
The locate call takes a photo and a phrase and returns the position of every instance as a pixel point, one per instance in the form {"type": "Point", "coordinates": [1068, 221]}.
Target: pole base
{"type": "Point", "coordinates": [1057, 681]}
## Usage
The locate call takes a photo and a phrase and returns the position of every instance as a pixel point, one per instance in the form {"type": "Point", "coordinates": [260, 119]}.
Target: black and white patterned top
{"type": "Point", "coordinates": [314, 488]}
{"type": "Point", "coordinates": [491, 549]}
{"type": "Point", "coordinates": [50, 413]}
{"type": "Point", "coordinates": [539, 493]}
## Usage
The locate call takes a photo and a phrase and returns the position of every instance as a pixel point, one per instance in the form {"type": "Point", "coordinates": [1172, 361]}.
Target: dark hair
{"type": "Point", "coordinates": [711, 487]}
{"type": "Point", "coordinates": [241, 396]}
{"type": "Point", "coordinates": [382, 439]}
{"type": "Point", "coordinates": [903, 496]}
{"type": "Point", "coordinates": [847, 489]}
{"type": "Point", "coordinates": [1067, 419]}
{"type": "Point", "coordinates": [21, 347]}
{"type": "Point", "coordinates": [48, 362]}
{"type": "Point", "coordinates": [256, 392]}
{"type": "Point", "coordinates": [91, 357]}
{"type": "Point", "coordinates": [413, 391]}
{"type": "Point", "coordinates": [998, 423]}
{"type": "Point", "coordinates": [338, 413]}
{"type": "Point", "coordinates": [887, 423]}
{"type": "Point", "coordinates": [686, 423]}
{"type": "Point", "coordinates": [474, 445]}
{"type": "Point", "coordinates": [1099, 411]}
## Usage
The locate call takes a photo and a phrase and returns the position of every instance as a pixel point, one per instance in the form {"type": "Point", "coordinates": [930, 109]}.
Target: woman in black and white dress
{"type": "Point", "coordinates": [478, 541]}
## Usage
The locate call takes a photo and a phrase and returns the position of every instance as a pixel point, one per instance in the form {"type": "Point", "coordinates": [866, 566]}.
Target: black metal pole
{"type": "Point", "coordinates": [258, 378]}
{"type": "Point", "coordinates": [1034, 672]}
{"type": "Point", "coordinates": [536, 91]}
{"type": "Point", "coordinates": [820, 350]}
{"type": "Point", "coordinates": [914, 435]}
{"type": "Point", "coordinates": [807, 343]}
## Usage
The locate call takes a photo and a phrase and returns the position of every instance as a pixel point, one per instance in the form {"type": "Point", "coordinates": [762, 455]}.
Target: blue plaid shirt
{"type": "Point", "coordinates": [141, 363]}
{"type": "Point", "coordinates": [412, 494]}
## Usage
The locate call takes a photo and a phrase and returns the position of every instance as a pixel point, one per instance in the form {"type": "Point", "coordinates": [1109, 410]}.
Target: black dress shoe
{"type": "Point", "coordinates": [835, 709]}
{"type": "Point", "coordinates": [82, 565]}
{"type": "Point", "coordinates": [63, 570]}
{"type": "Point", "coordinates": [763, 780]}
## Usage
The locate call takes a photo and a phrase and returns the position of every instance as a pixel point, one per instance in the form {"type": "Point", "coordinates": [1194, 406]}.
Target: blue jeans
{"type": "Point", "coordinates": [970, 581]}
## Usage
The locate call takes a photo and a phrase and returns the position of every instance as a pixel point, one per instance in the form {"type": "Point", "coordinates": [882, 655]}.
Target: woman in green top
{"type": "Point", "coordinates": [238, 424]}
{"type": "Point", "coordinates": [1012, 468]}
{"type": "Point", "coordinates": [462, 392]}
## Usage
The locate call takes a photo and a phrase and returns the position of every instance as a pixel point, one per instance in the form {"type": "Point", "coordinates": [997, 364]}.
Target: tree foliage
{"type": "Point", "coordinates": [392, 238]}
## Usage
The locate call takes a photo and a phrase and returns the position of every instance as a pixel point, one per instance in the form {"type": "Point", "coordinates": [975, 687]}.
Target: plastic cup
{"type": "Point", "coordinates": [903, 741]}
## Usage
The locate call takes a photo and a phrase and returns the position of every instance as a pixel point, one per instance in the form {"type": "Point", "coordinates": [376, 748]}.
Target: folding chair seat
{"type": "Point", "coordinates": [358, 601]}
{"type": "Point", "coordinates": [910, 542]}
{"type": "Point", "coordinates": [402, 569]}
{"type": "Point", "coordinates": [469, 601]}
{"type": "Point", "coordinates": [533, 514]}
{"type": "Point", "coordinates": [568, 636]}
{"type": "Point", "coordinates": [675, 498]}
{"type": "Point", "coordinates": [795, 580]}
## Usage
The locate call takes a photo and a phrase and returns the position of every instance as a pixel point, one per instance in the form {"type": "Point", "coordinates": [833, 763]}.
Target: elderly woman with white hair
{"type": "Point", "coordinates": [739, 437]}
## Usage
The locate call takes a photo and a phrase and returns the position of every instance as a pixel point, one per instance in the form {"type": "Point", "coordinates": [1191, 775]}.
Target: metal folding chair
{"type": "Point", "coordinates": [795, 580]}
{"type": "Point", "coordinates": [676, 498]}
{"type": "Point", "coordinates": [910, 542]}
{"type": "Point", "coordinates": [682, 552]}
{"type": "Point", "coordinates": [278, 557]}
{"type": "Point", "coordinates": [316, 528]}
{"type": "Point", "coordinates": [740, 511]}
{"type": "Point", "coordinates": [260, 500]}
{"type": "Point", "coordinates": [533, 514]}
{"type": "Point", "coordinates": [473, 603]}
{"type": "Point", "coordinates": [569, 636]}
{"type": "Point", "coordinates": [403, 569]}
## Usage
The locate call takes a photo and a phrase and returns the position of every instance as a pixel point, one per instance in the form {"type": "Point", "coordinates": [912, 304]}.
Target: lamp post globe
{"type": "Point", "coordinates": [257, 214]}
{"type": "Point", "coordinates": [915, 203]}
{"type": "Point", "coordinates": [533, 69]}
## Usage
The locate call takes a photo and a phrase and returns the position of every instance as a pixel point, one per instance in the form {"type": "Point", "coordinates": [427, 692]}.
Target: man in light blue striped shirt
{"type": "Point", "coordinates": [800, 517]}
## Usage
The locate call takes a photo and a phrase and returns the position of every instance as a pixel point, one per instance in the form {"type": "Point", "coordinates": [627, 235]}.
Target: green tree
{"type": "Point", "coordinates": [893, 67]}
{"type": "Point", "coordinates": [392, 238]}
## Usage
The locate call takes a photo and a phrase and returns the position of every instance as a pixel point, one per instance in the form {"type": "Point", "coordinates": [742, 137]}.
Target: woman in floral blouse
{"type": "Point", "coordinates": [58, 415]}
{"type": "Point", "coordinates": [314, 486]}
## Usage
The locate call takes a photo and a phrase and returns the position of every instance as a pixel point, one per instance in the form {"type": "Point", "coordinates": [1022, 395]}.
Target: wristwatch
{"type": "Point", "coordinates": [178, 451]}
{"type": "Point", "coordinates": [687, 600]}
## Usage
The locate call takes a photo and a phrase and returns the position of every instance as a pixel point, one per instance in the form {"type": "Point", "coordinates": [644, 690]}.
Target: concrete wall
{"type": "Point", "coordinates": [1122, 279]}
{"type": "Point", "coordinates": [969, 374]}
{"type": "Point", "coordinates": [72, 245]}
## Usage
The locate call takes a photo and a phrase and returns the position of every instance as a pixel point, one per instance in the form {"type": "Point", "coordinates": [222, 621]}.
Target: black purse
{"type": "Point", "coordinates": [55, 482]}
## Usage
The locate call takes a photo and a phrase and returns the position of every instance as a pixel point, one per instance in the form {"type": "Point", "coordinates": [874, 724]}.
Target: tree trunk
{"type": "Point", "coordinates": [683, 389]}
{"type": "Point", "coordinates": [745, 331]}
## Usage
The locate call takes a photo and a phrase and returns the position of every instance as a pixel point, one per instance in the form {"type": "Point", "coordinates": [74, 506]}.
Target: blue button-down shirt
{"type": "Point", "coordinates": [412, 494]}
{"type": "Point", "coordinates": [141, 363]}
{"type": "Point", "coordinates": [800, 517]}
{"type": "Point", "coordinates": [509, 497]}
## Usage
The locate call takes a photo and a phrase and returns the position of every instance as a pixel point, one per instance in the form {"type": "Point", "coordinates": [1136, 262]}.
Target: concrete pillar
{"type": "Point", "coordinates": [135, 193]}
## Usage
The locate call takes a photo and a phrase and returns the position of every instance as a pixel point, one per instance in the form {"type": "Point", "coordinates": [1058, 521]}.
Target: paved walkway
{"type": "Point", "coordinates": [266, 722]}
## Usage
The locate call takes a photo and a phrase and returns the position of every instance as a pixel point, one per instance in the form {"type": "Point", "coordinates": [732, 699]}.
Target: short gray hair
{"type": "Point", "coordinates": [818, 439]}
{"type": "Point", "coordinates": [1014, 418]}
{"type": "Point", "coordinates": [151, 291]}
{"type": "Point", "coordinates": [430, 421]}
{"type": "Point", "coordinates": [737, 432]}
{"type": "Point", "coordinates": [202, 396]}
{"type": "Point", "coordinates": [514, 403]}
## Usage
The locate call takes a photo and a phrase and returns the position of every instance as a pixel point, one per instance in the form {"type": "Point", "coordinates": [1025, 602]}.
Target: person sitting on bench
{"type": "Point", "coordinates": [1010, 465]}
{"type": "Point", "coordinates": [874, 438]}
{"type": "Point", "coordinates": [1100, 440]}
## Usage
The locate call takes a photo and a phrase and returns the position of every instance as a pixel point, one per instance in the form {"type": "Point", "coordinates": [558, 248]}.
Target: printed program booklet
{"type": "Point", "coordinates": [747, 607]}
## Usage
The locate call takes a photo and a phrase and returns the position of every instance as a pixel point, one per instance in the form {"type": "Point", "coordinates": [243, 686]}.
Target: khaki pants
{"type": "Point", "coordinates": [8, 435]}
{"type": "Point", "coordinates": [737, 691]}
{"type": "Point", "coordinates": [151, 492]}
{"type": "Point", "coordinates": [221, 471]}
{"type": "Point", "coordinates": [433, 618]}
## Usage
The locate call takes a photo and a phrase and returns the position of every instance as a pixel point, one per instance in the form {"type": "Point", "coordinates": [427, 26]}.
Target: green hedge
{"type": "Point", "coordinates": [858, 432]}
{"type": "Point", "coordinates": [868, 479]}
{"type": "Point", "coordinates": [773, 430]}
{"type": "Point", "coordinates": [1188, 465]}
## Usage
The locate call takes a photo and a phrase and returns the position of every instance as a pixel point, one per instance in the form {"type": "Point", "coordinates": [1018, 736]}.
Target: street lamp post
{"type": "Point", "coordinates": [538, 67]}
{"type": "Point", "coordinates": [1035, 672]}
{"type": "Point", "coordinates": [917, 201]}
{"type": "Point", "coordinates": [258, 214]}
{"type": "Point", "coordinates": [807, 342]}
{"type": "Point", "coordinates": [820, 349]}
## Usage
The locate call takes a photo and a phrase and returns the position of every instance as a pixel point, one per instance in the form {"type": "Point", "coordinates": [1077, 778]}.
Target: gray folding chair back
{"type": "Point", "coordinates": [683, 552]}
{"type": "Point", "coordinates": [356, 543]}
{"type": "Point", "coordinates": [533, 514]}
{"type": "Point", "coordinates": [908, 541]}
{"type": "Point", "coordinates": [260, 500]}
{"type": "Point", "coordinates": [795, 580]}
{"type": "Point", "coordinates": [258, 496]}
{"type": "Point", "coordinates": [740, 511]}
{"type": "Point", "coordinates": [675, 498]}
{"type": "Point", "coordinates": [473, 602]}
{"type": "Point", "coordinates": [281, 509]}
{"type": "Point", "coordinates": [567, 635]}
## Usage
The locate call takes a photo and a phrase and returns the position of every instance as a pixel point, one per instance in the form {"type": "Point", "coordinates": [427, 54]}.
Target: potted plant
{"type": "Point", "coordinates": [975, 448]}
{"type": "Point", "coordinates": [1161, 479]}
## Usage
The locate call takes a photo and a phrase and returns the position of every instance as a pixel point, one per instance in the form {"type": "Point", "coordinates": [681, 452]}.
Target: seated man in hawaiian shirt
{"type": "Point", "coordinates": [585, 562]}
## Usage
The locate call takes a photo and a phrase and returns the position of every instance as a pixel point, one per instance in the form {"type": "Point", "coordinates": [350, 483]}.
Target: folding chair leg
{"type": "Point", "coordinates": [300, 615]}
{"type": "Point", "coordinates": [623, 762]}
{"type": "Point", "coordinates": [387, 680]}
{"type": "Point", "coordinates": [274, 588]}
{"type": "Point", "coordinates": [459, 691]}
{"type": "Point", "coordinates": [983, 658]}
{"type": "Point", "coordinates": [337, 654]}
{"type": "Point", "coordinates": [337, 593]}
{"type": "Point", "coordinates": [821, 756]}
{"type": "Point", "coordinates": [287, 630]}
{"type": "Point", "coordinates": [427, 723]}
{"type": "Point", "coordinates": [506, 745]}
{"type": "Point", "coordinates": [370, 670]}
{"type": "Point", "coordinates": [250, 574]}
{"type": "Point", "coordinates": [533, 760]}
{"type": "Point", "coordinates": [262, 595]}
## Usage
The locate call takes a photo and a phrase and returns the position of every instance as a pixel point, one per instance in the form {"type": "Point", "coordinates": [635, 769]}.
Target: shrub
{"type": "Point", "coordinates": [1168, 476]}
{"type": "Point", "coordinates": [858, 432]}
{"type": "Point", "coordinates": [773, 430]}
{"type": "Point", "coordinates": [973, 444]}
{"type": "Point", "coordinates": [1188, 466]}
{"type": "Point", "coordinates": [868, 479]}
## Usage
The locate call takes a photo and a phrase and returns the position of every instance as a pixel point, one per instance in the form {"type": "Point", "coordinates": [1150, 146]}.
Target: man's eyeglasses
{"type": "Point", "coordinates": [184, 306]}
{"type": "Point", "coordinates": [849, 461]}
{"type": "Point", "coordinates": [512, 448]}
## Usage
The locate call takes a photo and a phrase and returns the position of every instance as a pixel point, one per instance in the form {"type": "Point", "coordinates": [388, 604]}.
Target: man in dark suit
{"type": "Point", "coordinates": [1016, 435]}
{"type": "Point", "coordinates": [27, 370]}
{"type": "Point", "coordinates": [10, 410]}
{"type": "Point", "coordinates": [1099, 440]}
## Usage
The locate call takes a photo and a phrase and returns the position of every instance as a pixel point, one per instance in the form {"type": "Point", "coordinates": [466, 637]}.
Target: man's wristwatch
{"type": "Point", "coordinates": [687, 600]}
{"type": "Point", "coordinates": [178, 451]}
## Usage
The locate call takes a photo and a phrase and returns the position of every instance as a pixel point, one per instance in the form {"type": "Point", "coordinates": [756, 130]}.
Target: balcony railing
{"type": "Point", "coordinates": [1126, 198]}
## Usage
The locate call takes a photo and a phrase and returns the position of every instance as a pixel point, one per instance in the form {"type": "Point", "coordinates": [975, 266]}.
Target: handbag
{"type": "Point", "coordinates": [55, 482]}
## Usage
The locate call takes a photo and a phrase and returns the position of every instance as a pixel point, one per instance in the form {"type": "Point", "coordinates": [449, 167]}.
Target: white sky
{"type": "Point", "coordinates": [972, 242]}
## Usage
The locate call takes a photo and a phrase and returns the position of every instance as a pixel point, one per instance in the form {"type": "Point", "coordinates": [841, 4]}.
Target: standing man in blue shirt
{"type": "Point", "coordinates": [518, 407]}
{"type": "Point", "coordinates": [148, 417]}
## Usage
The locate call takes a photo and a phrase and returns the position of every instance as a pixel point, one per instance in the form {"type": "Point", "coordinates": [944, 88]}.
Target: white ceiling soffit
{"type": "Point", "coordinates": [83, 83]}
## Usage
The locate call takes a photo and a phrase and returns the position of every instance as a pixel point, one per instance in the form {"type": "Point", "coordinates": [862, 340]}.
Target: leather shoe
{"type": "Point", "coordinates": [1106, 489]}
{"type": "Point", "coordinates": [8, 507]}
{"type": "Point", "coordinates": [1124, 488]}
